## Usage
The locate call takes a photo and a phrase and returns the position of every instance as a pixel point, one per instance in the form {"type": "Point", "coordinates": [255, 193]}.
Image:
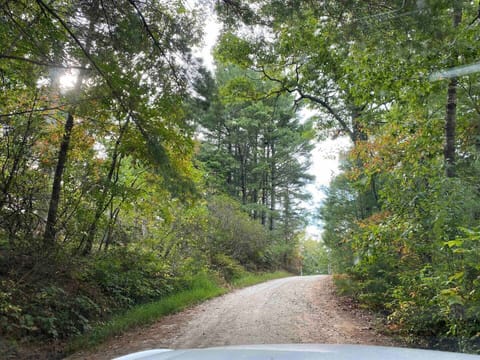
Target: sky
{"type": "Point", "coordinates": [325, 156]}
{"type": "Point", "coordinates": [212, 30]}
{"type": "Point", "coordinates": [325, 165]}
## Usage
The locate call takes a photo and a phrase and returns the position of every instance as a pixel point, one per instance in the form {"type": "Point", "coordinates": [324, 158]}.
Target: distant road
{"type": "Point", "coordinates": [290, 310]}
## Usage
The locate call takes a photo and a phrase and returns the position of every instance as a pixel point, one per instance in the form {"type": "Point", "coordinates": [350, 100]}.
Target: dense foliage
{"type": "Point", "coordinates": [315, 257]}
{"type": "Point", "coordinates": [400, 79]}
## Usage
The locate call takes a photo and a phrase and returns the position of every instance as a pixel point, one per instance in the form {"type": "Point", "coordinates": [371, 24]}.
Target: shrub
{"type": "Point", "coordinates": [130, 276]}
{"type": "Point", "coordinates": [228, 268]}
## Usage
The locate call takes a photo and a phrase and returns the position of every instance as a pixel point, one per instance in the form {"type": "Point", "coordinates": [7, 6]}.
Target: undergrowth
{"type": "Point", "coordinates": [203, 287]}
{"type": "Point", "coordinates": [60, 304]}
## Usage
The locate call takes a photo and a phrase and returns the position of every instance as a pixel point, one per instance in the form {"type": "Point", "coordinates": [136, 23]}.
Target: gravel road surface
{"type": "Point", "coordinates": [290, 310]}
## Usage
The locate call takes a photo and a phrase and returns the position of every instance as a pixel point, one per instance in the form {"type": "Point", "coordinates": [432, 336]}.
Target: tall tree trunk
{"type": "Point", "coordinates": [255, 177]}
{"type": "Point", "coordinates": [229, 175]}
{"type": "Point", "coordinates": [273, 179]}
{"type": "Point", "coordinates": [451, 106]}
{"type": "Point", "coordinates": [358, 133]}
{"type": "Point", "coordinates": [243, 173]}
{"type": "Point", "coordinates": [266, 157]}
{"type": "Point", "coordinates": [286, 223]}
{"type": "Point", "coordinates": [50, 230]}
{"type": "Point", "coordinates": [236, 173]}
{"type": "Point", "coordinates": [50, 227]}
{"type": "Point", "coordinates": [264, 200]}
{"type": "Point", "coordinates": [450, 126]}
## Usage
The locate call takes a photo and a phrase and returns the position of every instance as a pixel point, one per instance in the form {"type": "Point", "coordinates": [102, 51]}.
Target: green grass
{"type": "Point", "coordinates": [251, 279]}
{"type": "Point", "coordinates": [203, 288]}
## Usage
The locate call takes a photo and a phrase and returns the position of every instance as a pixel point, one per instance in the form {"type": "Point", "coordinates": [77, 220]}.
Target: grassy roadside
{"type": "Point", "coordinates": [203, 288]}
{"type": "Point", "coordinates": [252, 279]}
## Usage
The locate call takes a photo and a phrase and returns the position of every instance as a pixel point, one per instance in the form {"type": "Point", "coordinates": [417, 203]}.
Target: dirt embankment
{"type": "Point", "coordinates": [291, 310]}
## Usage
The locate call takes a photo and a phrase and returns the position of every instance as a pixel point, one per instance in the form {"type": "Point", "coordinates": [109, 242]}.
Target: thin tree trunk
{"type": "Point", "coordinates": [229, 175]}
{"type": "Point", "coordinates": [264, 200]}
{"type": "Point", "coordinates": [450, 125]}
{"type": "Point", "coordinates": [236, 174]}
{"type": "Point", "coordinates": [101, 205]}
{"type": "Point", "coordinates": [266, 156]}
{"type": "Point", "coordinates": [242, 153]}
{"type": "Point", "coordinates": [111, 223]}
{"type": "Point", "coordinates": [17, 157]}
{"type": "Point", "coordinates": [273, 179]}
{"type": "Point", "coordinates": [286, 228]}
{"type": "Point", "coordinates": [451, 107]}
{"type": "Point", "coordinates": [255, 177]}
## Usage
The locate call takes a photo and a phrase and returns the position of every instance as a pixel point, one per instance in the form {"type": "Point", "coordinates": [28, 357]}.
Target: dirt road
{"type": "Point", "coordinates": [291, 310]}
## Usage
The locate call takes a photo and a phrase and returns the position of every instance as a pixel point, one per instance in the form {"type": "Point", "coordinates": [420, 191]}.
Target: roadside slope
{"type": "Point", "coordinates": [289, 310]}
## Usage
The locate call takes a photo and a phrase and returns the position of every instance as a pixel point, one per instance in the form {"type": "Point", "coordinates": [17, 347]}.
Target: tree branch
{"type": "Point", "coordinates": [312, 98]}
{"type": "Point", "coordinates": [155, 41]}
{"type": "Point", "coordinates": [477, 17]}
{"type": "Point", "coordinates": [330, 110]}
{"type": "Point", "coordinates": [41, 63]}
{"type": "Point", "coordinates": [45, 109]}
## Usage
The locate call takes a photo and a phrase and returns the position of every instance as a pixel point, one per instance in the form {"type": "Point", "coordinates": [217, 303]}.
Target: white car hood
{"type": "Point", "coordinates": [298, 352]}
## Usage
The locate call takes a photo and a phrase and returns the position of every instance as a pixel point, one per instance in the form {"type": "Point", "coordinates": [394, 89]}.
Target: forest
{"type": "Point", "coordinates": [130, 172]}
